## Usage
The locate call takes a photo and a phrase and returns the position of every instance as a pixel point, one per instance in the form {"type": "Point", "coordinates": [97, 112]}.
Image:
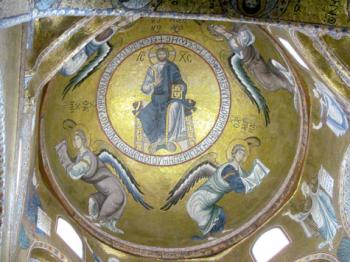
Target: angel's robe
{"type": "Point", "coordinates": [202, 206]}
{"type": "Point", "coordinates": [336, 118]}
{"type": "Point", "coordinates": [110, 196]}
{"type": "Point", "coordinates": [271, 75]}
{"type": "Point", "coordinates": [73, 65]}
{"type": "Point", "coordinates": [323, 214]}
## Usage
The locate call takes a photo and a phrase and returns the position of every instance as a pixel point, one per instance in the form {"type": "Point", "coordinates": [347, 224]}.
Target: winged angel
{"type": "Point", "coordinates": [246, 59]}
{"type": "Point", "coordinates": [98, 48]}
{"type": "Point", "coordinates": [106, 206]}
{"type": "Point", "coordinates": [229, 177]}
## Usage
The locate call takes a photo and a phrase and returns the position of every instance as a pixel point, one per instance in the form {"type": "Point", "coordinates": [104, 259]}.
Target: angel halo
{"type": "Point", "coordinates": [107, 204]}
{"type": "Point", "coordinates": [75, 129]}
{"type": "Point", "coordinates": [244, 144]}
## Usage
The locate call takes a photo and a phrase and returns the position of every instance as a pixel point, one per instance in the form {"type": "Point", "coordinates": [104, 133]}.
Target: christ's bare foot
{"type": "Point", "coordinates": [171, 147]}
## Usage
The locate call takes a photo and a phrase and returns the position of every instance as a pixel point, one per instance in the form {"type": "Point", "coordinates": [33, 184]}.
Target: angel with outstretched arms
{"type": "Point", "coordinates": [229, 177]}
{"type": "Point", "coordinates": [106, 206]}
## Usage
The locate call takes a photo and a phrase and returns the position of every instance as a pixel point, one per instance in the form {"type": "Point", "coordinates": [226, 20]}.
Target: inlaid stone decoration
{"type": "Point", "coordinates": [164, 149]}
{"type": "Point", "coordinates": [344, 194]}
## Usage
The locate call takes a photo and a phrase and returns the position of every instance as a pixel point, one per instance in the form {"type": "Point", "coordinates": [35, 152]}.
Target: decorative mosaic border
{"type": "Point", "coordinates": [318, 256]}
{"type": "Point", "coordinates": [213, 247]}
{"type": "Point", "coordinates": [344, 191]}
{"type": "Point", "coordinates": [34, 14]}
{"type": "Point", "coordinates": [2, 155]}
{"type": "Point", "coordinates": [333, 60]}
{"type": "Point", "coordinates": [308, 58]}
{"type": "Point", "coordinates": [58, 41]}
{"type": "Point", "coordinates": [340, 68]}
{"type": "Point", "coordinates": [49, 248]}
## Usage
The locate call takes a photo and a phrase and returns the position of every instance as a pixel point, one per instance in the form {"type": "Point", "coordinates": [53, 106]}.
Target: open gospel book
{"type": "Point", "coordinates": [325, 181]}
{"type": "Point", "coordinates": [255, 177]}
{"type": "Point", "coordinates": [62, 152]}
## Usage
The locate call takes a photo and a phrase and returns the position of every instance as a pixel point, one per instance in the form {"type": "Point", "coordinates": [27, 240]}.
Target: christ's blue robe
{"type": "Point", "coordinates": [153, 115]}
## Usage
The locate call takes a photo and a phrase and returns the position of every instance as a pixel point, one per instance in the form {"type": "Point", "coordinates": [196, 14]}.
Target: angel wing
{"type": "Point", "coordinates": [343, 252]}
{"type": "Point", "coordinates": [88, 69]}
{"type": "Point", "coordinates": [126, 177]}
{"type": "Point", "coordinates": [204, 170]}
{"type": "Point", "coordinates": [249, 87]}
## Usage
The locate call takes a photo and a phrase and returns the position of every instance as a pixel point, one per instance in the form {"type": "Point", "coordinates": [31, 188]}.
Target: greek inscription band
{"type": "Point", "coordinates": [214, 134]}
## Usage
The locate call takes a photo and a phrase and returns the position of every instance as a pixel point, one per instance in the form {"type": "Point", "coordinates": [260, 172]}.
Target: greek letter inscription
{"type": "Point", "coordinates": [185, 57]}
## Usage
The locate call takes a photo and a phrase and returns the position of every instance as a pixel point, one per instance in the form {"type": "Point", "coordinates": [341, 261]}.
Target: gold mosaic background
{"type": "Point", "coordinates": [174, 228]}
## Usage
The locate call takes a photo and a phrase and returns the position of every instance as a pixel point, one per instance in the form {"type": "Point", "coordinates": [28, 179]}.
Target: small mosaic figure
{"type": "Point", "coordinates": [334, 112]}
{"type": "Point", "coordinates": [322, 214]}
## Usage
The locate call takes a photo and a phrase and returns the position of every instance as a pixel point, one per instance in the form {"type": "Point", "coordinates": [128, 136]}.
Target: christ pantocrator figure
{"type": "Point", "coordinates": [163, 118]}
